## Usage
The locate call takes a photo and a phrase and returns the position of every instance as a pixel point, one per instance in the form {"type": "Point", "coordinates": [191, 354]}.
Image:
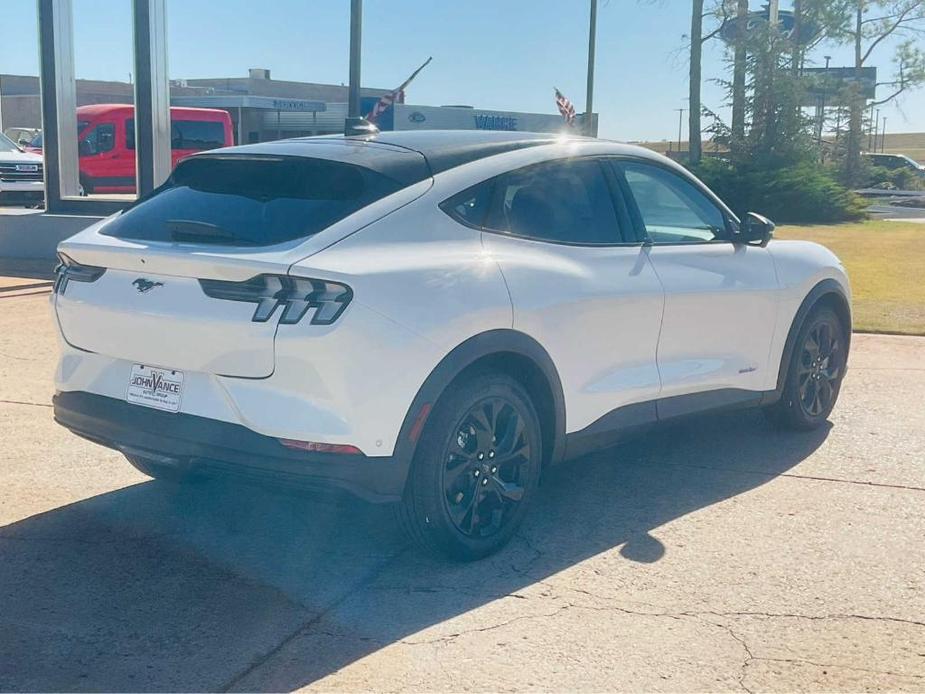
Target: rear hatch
{"type": "Point", "coordinates": [193, 277]}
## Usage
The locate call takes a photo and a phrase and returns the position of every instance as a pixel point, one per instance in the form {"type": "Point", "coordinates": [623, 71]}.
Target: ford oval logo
{"type": "Point", "coordinates": [417, 117]}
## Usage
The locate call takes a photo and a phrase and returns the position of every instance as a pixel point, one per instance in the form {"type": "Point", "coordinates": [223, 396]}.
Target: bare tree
{"type": "Point", "coordinates": [695, 148]}
{"type": "Point", "coordinates": [739, 68]}
{"type": "Point", "coordinates": [868, 24]}
{"type": "Point", "coordinates": [698, 39]}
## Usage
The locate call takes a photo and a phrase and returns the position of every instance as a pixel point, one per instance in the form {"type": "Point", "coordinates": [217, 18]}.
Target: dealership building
{"type": "Point", "coordinates": [262, 108]}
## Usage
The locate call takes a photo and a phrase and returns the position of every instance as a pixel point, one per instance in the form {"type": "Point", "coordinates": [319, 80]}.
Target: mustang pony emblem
{"type": "Point", "coordinates": [143, 285]}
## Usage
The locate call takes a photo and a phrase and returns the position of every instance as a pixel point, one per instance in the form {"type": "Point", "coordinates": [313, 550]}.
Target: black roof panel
{"type": "Point", "coordinates": [442, 149]}
{"type": "Point", "coordinates": [446, 149]}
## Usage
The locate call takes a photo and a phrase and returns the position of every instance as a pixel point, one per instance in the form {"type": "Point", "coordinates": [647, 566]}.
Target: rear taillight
{"type": "Point", "coordinates": [69, 270]}
{"type": "Point", "coordinates": [296, 296]}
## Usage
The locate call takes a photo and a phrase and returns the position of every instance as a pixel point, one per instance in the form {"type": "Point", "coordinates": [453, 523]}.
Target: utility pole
{"type": "Point", "coordinates": [871, 129]}
{"type": "Point", "coordinates": [356, 28]}
{"type": "Point", "coordinates": [883, 136]}
{"type": "Point", "coordinates": [589, 98]}
{"type": "Point", "coordinates": [820, 125]}
{"type": "Point", "coordinates": [680, 123]}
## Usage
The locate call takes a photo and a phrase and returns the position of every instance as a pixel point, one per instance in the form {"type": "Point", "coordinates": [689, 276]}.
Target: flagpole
{"type": "Point", "coordinates": [386, 100]}
{"type": "Point", "coordinates": [414, 74]}
{"type": "Point", "coordinates": [589, 100]}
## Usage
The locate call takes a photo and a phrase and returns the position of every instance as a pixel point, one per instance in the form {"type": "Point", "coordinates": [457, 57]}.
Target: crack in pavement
{"type": "Point", "coordinates": [23, 402]}
{"type": "Point", "coordinates": [749, 658]}
{"type": "Point", "coordinates": [791, 475]}
{"type": "Point", "coordinates": [317, 617]}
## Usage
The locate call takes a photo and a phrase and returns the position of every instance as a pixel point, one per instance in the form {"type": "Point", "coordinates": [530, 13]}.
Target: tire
{"type": "Point", "coordinates": [468, 492]}
{"type": "Point", "coordinates": [814, 374]}
{"type": "Point", "coordinates": [86, 188]}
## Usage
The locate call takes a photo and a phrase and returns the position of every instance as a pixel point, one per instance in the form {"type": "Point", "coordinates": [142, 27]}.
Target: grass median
{"type": "Point", "coordinates": [886, 265]}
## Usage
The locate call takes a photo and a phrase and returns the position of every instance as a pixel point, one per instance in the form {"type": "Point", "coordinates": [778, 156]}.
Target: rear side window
{"type": "Point", "coordinates": [186, 134]}
{"type": "Point", "coordinates": [197, 134]}
{"type": "Point", "coordinates": [250, 200]}
{"type": "Point", "coordinates": [470, 206]}
{"type": "Point", "coordinates": [563, 202]}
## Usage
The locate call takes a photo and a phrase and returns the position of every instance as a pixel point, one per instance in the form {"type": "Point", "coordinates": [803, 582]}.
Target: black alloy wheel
{"type": "Point", "coordinates": [814, 374]}
{"type": "Point", "coordinates": [475, 469]}
{"type": "Point", "coordinates": [819, 369]}
{"type": "Point", "coordinates": [484, 467]}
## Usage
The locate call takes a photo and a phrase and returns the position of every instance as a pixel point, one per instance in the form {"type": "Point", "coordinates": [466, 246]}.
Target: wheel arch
{"type": "Point", "coordinates": [506, 350]}
{"type": "Point", "coordinates": [828, 292]}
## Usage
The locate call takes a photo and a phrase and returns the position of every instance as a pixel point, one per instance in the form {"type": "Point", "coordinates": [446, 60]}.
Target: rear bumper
{"type": "Point", "coordinates": [213, 446]}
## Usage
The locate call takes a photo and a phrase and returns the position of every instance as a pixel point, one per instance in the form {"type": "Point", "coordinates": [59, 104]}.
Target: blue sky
{"type": "Point", "coordinates": [502, 54]}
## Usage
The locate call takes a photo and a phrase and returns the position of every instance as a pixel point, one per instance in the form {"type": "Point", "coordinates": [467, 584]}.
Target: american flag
{"type": "Point", "coordinates": [566, 108]}
{"type": "Point", "coordinates": [386, 100]}
{"type": "Point", "coordinates": [384, 104]}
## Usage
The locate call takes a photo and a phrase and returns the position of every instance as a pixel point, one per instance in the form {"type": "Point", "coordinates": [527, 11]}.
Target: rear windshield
{"type": "Point", "coordinates": [250, 200]}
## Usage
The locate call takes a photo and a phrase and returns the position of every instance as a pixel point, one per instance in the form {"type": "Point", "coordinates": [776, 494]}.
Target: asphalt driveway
{"type": "Point", "coordinates": [716, 555]}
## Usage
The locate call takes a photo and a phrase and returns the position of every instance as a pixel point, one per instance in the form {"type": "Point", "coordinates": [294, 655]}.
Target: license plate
{"type": "Point", "coordinates": [153, 387]}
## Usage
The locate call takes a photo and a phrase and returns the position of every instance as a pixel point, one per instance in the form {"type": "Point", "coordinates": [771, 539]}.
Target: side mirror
{"type": "Point", "coordinates": [84, 149]}
{"type": "Point", "coordinates": [755, 229]}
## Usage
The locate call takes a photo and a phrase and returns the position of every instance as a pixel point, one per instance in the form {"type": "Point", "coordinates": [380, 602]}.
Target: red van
{"type": "Point", "coordinates": [106, 142]}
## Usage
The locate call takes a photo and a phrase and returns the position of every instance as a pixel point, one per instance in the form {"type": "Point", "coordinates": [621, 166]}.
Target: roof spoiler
{"type": "Point", "coordinates": [359, 126]}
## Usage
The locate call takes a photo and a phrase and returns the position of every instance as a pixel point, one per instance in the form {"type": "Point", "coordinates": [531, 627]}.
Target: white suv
{"type": "Point", "coordinates": [21, 176]}
{"type": "Point", "coordinates": [432, 318]}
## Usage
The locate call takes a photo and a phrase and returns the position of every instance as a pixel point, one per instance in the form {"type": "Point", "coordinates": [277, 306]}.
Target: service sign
{"type": "Point", "coordinates": [414, 117]}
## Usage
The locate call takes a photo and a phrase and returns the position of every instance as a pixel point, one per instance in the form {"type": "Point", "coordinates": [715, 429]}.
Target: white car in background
{"type": "Point", "coordinates": [21, 175]}
{"type": "Point", "coordinates": [432, 318]}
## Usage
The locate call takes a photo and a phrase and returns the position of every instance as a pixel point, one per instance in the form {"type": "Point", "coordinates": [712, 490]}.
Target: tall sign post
{"type": "Point", "coordinates": [589, 100]}
{"type": "Point", "coordinates": [356, 29]}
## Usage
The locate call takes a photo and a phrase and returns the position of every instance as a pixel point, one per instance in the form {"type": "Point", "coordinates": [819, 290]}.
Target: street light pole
{"type": "Point", "coordinates": [356, 28]}
{"type": "Point", "coordinates": [876, 130]}
{"type": "Point", "coordinates": [883, 136]}
{"type": "Point", "coordinates": [680, 123]}
{"type": "Point", "coordinates": [589, 98]}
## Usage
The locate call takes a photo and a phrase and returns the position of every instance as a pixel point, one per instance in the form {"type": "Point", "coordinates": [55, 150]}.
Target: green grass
{"type": "Point", "coordinates": [886, 266]}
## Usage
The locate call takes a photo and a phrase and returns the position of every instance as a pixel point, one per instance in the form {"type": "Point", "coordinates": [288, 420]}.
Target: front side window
{"type": "Point", "coordinates": [563, 202]}
{"type": "Point", "coordinates": [101, 139]}
{"type": "Point", "coordinates": [672, 209]}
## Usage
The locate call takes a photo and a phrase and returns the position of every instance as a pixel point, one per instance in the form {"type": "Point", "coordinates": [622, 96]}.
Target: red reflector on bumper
{"type": "Point", "coordinates": [314, 447]}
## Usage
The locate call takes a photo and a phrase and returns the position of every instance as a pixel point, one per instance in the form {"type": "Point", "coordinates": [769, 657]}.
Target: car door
{"type": "Point", "coordinates": [98, 154]}
{"type": "Point", "coordinates": [720, 297]}
{"type": "Point", "coordinates": [581, 285]}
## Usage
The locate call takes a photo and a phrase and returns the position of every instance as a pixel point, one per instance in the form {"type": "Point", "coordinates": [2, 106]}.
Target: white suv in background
{"type": "Point", "coordinates": [21, 175]}
{"type": "Point", "coordinates": [432, 318]}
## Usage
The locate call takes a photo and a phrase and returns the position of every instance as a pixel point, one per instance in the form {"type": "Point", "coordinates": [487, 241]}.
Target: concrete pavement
{"type": "Point", "coordinates": [715, 555]}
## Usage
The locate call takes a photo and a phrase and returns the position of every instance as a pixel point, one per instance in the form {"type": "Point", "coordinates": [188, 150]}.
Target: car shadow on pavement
{"type": "Point", "coordinates": [215, 586]}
